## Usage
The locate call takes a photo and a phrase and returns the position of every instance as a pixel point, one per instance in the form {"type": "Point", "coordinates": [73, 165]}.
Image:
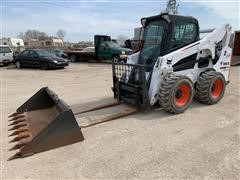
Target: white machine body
{"type": "Point", "coordinates": [214, 46]}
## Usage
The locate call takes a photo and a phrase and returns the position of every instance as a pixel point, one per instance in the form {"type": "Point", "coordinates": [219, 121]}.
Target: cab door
{"type": "Point", "coordinates": [22, 57]}
{"type": "Point", "coordinates": [184, 34]}
{"type": "Point", "coordinates": [104, 51]}
{"type": "Point", "coordinates": [33, 59]}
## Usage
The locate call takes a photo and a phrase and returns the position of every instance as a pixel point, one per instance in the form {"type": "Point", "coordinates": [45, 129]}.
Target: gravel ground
{"type": "Point", "coordinates": [202, 143]}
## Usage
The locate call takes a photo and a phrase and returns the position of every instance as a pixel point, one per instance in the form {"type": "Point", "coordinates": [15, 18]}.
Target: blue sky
{"type": "Point", "coordinates": [83, 19]}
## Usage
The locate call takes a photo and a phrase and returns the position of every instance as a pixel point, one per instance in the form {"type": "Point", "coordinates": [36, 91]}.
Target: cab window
{"type": "Point", "coordinates": [5, 50]}
{"type": "Point", "coordinates": [184, 33]}
{"type": "Point", "coordinates": [103, 45]}
{"type": "Point", "coordinates": [24, 53]}
{"type": "Point", "coordinates": [32, 54]}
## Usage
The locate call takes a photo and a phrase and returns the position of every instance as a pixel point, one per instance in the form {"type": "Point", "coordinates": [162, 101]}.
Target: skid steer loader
{"type": "Point", "coordinates": [172, 67]}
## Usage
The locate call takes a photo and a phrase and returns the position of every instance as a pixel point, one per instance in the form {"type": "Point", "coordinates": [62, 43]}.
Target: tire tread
{"type": "Point", "coordinates": [203, 85]}
{"type": "Point", "coordinates": [165, 90]}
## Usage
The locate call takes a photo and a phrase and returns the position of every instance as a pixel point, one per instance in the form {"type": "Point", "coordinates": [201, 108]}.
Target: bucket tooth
{"type": "Point", "coordinates": [21, 124]}
{"type": "Point", "coordinates": [17, 121]}
{"type": "Point", "coordinates": [14, 114]}
{"type": "Point", "coordinates": [19, 130]}
{"type": "Point", "coordinates": [17, 146]}
{"type": "Point", "coordinates": [15, 156]}
{"type": "Point", "coordinates": [13, 128]}
{"type": "Point", "coordinates": [20, 136]}
{"type": "Point", "coordinates": [17, 117]}
{"type": "Point", "coordinates": [20, 144]}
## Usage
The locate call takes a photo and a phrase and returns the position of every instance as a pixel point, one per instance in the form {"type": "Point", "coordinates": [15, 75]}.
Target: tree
{"type": "Point", "coordinates": [21, 35]}
{"type": "Point", "coordinates": [61, 33]}
{"type": "Point", "coordinates": [33, 34]}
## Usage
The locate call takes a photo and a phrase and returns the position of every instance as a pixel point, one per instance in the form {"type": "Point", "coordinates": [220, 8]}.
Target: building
{"type": "Point", "coordinates": [138, 32]}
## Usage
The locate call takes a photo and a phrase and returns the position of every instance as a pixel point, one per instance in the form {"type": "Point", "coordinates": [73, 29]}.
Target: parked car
{"type": "Point", "coordinates": [6, 55]}
{"type": "Point", "coordinates": [39, 58]}
{"type": "Point", "coordinates": [59, 53]}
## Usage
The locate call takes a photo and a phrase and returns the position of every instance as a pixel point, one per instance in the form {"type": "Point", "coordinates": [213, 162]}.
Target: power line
{"type": "Point", "coordinates": [66, 5]}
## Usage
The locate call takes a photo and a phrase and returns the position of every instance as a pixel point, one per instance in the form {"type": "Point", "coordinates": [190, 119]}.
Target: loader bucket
{"type": "Point", "coordinates": [42, 123]}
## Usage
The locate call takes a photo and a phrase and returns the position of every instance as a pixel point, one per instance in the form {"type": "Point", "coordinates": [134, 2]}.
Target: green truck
{"type": "Point", "coordinates": [104, 49]}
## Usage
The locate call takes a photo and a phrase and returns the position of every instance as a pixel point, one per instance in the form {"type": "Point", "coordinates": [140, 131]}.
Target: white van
{"type": "Point", "coordinates": [6, 55]}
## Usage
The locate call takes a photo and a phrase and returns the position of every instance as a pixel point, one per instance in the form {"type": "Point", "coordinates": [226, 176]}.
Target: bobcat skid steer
{"type": "Point", "coordinates": [172, 67]}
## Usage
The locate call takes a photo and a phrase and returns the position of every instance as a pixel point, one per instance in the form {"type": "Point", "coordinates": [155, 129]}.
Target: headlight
{"type": "Point", "coordinates": [123, 52]}
{"type": "Point", "coordinates": [55, 61]}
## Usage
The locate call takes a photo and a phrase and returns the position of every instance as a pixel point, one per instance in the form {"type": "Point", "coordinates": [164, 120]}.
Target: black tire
{"type": "Point", "coordinates": [18, 64]}
{"type": "Point", "coordinates": [73, 58]}
{"type": "Point", "coordinates": [44, 66]}
{"type": "Point", "coordinates": [210, 87]}
{"type": "Point", "coordinates": [115, 58]}
{"type": "Point", "coordinates": [176, 93]}
{"type": "Point", "coordinates": [6, 64]}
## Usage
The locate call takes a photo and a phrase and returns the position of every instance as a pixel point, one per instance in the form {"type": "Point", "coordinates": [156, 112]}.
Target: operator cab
{"type": "Point", "coordinates": [165, 33]}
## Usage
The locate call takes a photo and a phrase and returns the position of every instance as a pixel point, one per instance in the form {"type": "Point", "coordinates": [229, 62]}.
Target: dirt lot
{"type": "Point", "coordinates": [202, 143]}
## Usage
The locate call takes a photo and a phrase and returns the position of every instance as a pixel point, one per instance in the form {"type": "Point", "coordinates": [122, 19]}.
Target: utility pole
{"type": "Point", "coordinates": [172, 7]}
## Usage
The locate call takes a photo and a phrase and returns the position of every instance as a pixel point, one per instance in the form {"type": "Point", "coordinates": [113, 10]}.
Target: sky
{"type": "Point", "coordinates": [82, 19]}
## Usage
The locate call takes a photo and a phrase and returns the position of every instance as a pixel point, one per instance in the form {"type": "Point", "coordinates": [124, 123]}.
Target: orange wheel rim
{"type": "Point", "coordinates": [217, 88]}
{"type": "Point", "coordinates": [182, 95]}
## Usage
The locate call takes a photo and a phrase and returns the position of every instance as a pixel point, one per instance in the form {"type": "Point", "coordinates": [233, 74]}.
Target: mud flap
{"type": "Point", "coordinates": [42, 123]}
